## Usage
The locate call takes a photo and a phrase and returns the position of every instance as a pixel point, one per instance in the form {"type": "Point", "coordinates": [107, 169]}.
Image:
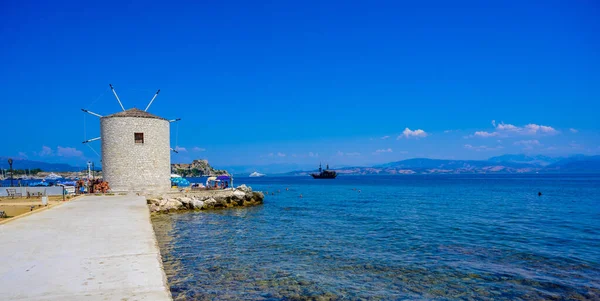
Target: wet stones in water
{"type": "Point", "coordinates": [240, 197]}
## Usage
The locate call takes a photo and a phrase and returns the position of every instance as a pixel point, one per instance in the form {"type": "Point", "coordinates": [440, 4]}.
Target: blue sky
{"type": "Point", "coordinates": [306, 81]}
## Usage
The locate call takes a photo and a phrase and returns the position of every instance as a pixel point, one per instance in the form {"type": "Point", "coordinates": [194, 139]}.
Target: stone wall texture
{"type": "Point", "coordinates": [130, 166]}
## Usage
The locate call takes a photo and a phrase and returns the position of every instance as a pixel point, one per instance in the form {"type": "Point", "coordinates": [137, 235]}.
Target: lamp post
{"type": "Point", "coordinates": [10, 161]}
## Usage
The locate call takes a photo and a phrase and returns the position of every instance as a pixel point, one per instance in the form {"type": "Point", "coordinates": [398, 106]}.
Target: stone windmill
{"type": "Point", "coordinates": [135, 149]}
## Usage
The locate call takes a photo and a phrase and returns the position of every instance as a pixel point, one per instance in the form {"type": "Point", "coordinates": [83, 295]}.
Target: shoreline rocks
{"type": "Point", "coordinates": [241, 196]}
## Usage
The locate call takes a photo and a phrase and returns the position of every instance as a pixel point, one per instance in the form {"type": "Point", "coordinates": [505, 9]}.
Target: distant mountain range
{"type": "Point", "coordinates": [19, 163]}
{"type": "Point", "coordinates": [501, 164]}
{"type": "Point", "coordinates": [530, 159]}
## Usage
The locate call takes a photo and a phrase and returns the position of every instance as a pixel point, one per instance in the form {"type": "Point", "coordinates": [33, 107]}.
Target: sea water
{"type": "Point", "coordinates": [485, 237]}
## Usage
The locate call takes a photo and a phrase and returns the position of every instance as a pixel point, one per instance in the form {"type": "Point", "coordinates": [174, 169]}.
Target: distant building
{"type": "Point", "coordinates": [136, 151]}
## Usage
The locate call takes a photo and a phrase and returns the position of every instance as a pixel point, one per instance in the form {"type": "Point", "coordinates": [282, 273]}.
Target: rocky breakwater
{"type": "Point", "coordinates": [241, 196]}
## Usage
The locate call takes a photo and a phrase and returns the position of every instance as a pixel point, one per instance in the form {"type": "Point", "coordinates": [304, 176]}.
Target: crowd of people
{"type": "Point", "coordinates": [211, 185]}
{"type": "Point", "coordinates": [220, 185]}
{"type": "Point", "coordinates": [91, 186]}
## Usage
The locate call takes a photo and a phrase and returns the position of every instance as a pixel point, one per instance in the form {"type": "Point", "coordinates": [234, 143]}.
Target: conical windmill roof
{"type": "Point", "coordinates": [134, 113]}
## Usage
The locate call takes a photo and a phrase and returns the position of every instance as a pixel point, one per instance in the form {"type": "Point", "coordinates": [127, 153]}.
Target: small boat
{"type": "Point", "coordinates": [52, 176]}
{"type": "Point", "coordinates": [39, 184]}
{"type": "Point", "coordinates": [66, 183]}
{"type": "Point", "coordinates": [324, 174]}
{"type": "Point", "coordinates": [257, 174]}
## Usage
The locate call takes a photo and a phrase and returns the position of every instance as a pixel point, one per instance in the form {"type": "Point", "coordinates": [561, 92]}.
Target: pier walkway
{"type": "Point", "coordinates": [92, 248]}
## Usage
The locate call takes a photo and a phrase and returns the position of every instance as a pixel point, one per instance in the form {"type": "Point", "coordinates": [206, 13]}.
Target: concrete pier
{"type": "Point", "coordinates": [93, 248]}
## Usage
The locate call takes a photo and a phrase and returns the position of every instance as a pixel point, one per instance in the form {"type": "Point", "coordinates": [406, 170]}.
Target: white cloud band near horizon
{"type": "Point", "coordinates": [507, 130]}
{"type": "Point", "coordinates": [61, 151]}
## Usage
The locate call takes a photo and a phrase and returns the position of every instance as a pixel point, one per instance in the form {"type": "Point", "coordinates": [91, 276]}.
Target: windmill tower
{"type": "Point", "coordinates": [135, 149]}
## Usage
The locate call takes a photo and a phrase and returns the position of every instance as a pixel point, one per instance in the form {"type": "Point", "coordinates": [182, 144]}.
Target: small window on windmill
{"type": "Point", "coordinates": [139, 137]}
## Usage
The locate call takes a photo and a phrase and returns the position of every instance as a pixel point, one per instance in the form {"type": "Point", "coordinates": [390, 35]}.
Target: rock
{"type": "Point", "coordinates": [184, 200]}
{"type": "Point", "coordinates": [258, 196]}
{"type": "Point", "coordinates": [244, 188]}
{"type": "Point", "coordinates": [153, 202]}
{"type": "Point", "coordinates": [238, 194]}
{"type": "Point", "coordinates": [187, 202]}
{"type": "Point", "coordinates": [198, 167]}
{"type": "Point", "coordinates": [173, 204]}
{"type": "Point", "coordinates": [241, 196]}
{"type": "Point", "coordinates": [197, 204]}
{"type": "Point", "coordinates": [202, 197]}
{"type": "Point", "coordinates": [209, 203]}
{"type": "Point", "coordinates": [154, 208]}
{"type": "Point", "coordinates": [221, 202]}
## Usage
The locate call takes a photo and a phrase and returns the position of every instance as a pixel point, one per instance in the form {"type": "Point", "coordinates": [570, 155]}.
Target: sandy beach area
{"type": "Point", "coordinates": [13, 207]}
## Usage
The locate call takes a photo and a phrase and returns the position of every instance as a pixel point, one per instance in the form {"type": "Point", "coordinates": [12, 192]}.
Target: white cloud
{"type": "Point", "coordinates": [485, 134]}
{"type": "Point", "coordinates": [449, 131]}
{"type": "Point", "coordinates": [46, 151]}
{"type": "Point", "coordinates": [23, 155]}
{"type": "Point", "coordinates": [482, 147]}
{"type": "Point", "coordinates": [280, 154]}
{"type": "Point", "coordinates": [385, 137]}
{"type": "Point", "coordinates": [574, 131]}
{"type": "Point", "coordinates": [339, 153]}
{"type": "Point", "coordinates": [505, 130]}
{"type": "Point", "coordinates": [407, 133]}
{"type": "Point", "coordinates": [311, 154]}
{"type": "Point", "coordinates": [388, 150]}
{"type": "Point", "coordinates": [68, 152]}
{"type": "Point", "coordinates": [507, 127]}
{"type": "Point", "coordinates": [270, 154]}
{"type": "Point", "coordinates": [180, 149]}
{"type": "Point", "coordinates": [533, 129]}
{"type": "Point", "coordinates": [198, 149]}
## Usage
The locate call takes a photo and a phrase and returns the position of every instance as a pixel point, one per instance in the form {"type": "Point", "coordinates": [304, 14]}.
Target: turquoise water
{"type": "Point", "coordinates": [389, 238]}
